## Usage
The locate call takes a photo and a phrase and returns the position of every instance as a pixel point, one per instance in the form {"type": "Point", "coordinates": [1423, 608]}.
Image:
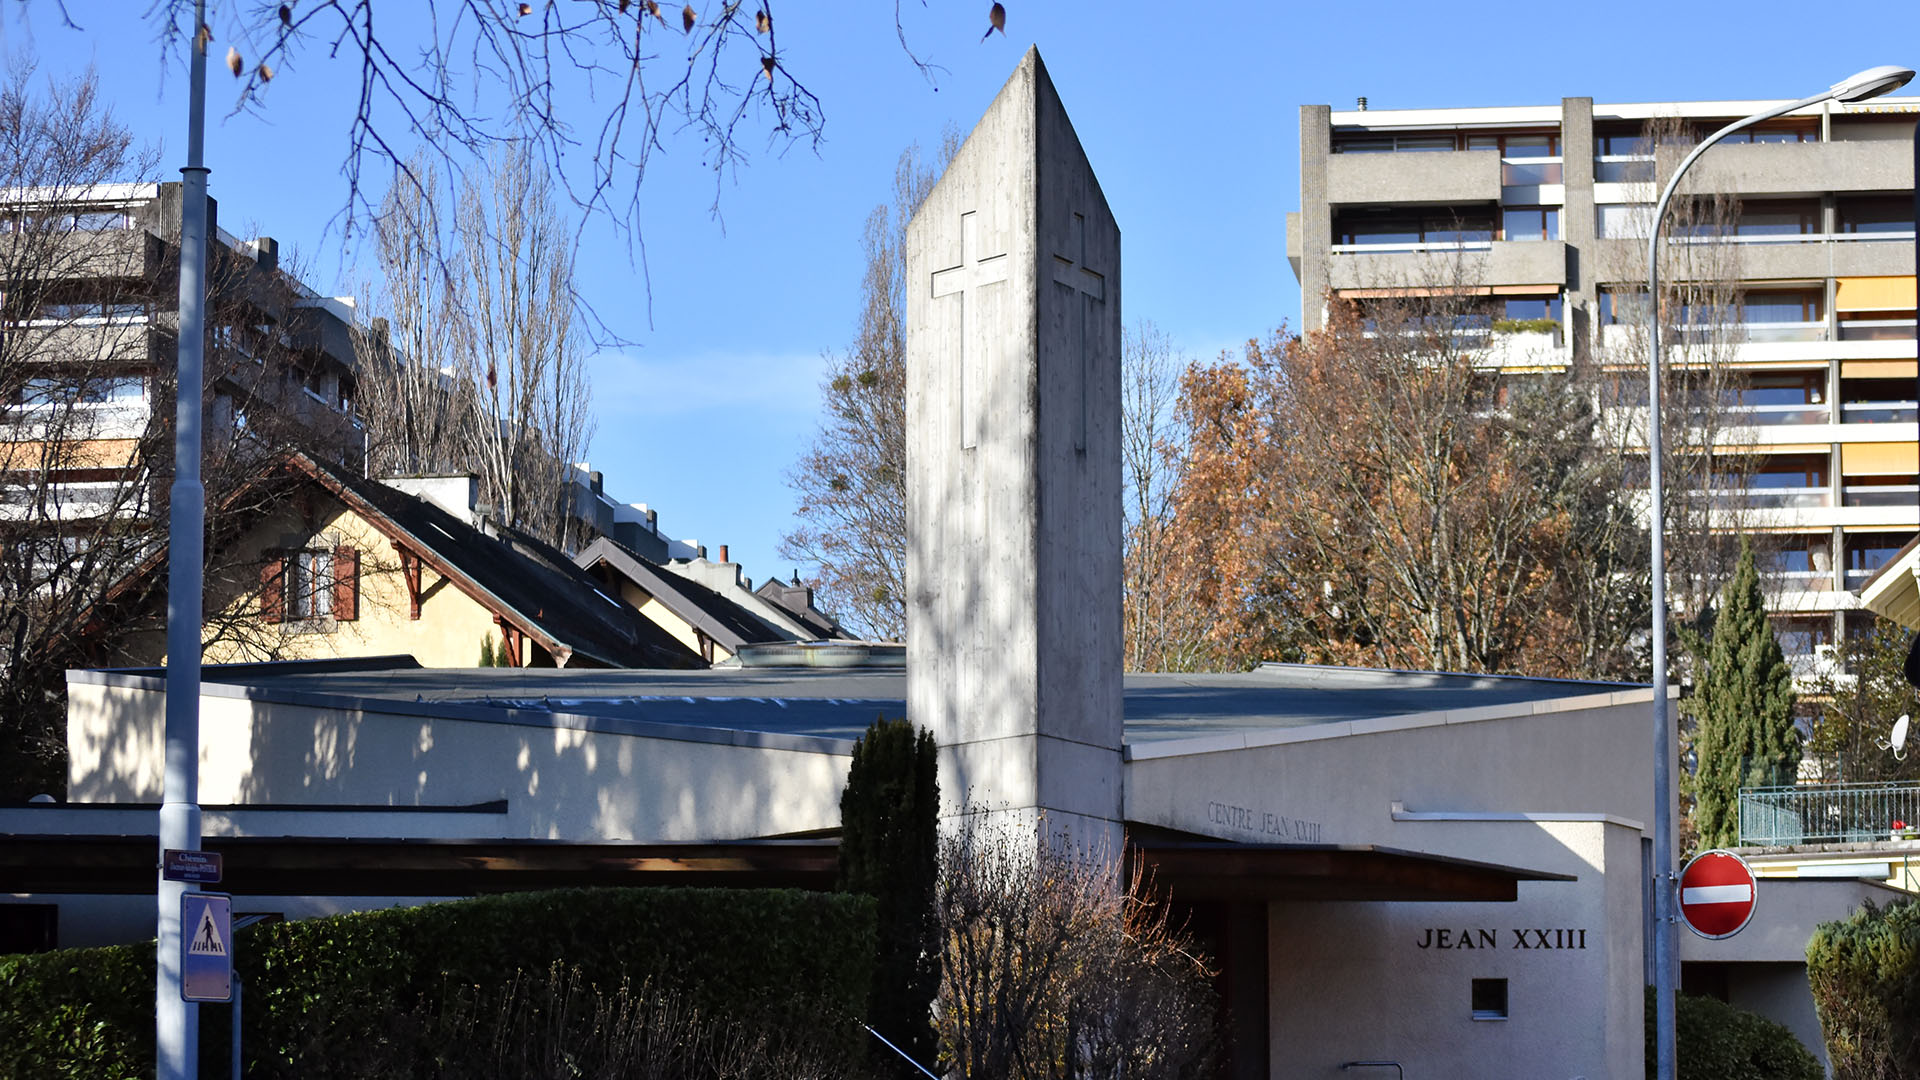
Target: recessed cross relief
{"type": "Point", "coordinates": [1084, 288]}
{"type": "Point", "coordinates": [970, 281]}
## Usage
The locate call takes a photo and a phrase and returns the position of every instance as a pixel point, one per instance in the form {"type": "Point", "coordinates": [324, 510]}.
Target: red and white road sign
{"type": "Point", "coordinates": [1716, 894]}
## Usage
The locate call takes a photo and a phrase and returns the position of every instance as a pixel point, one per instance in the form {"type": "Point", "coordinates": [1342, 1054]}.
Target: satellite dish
{"type": "Point", "coordinates": [1898, 742]}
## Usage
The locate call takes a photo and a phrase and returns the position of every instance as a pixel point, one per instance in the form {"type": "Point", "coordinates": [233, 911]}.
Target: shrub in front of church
{"type": "Point", "coordinates": [1053, 967]}
{"type": "Point", "coordinates": [889, 850]}
{"type": "Point", "coordinates": [1865, 974]}
{"type": "Point", "coordinates": [1715, 1041]}
{"type": "Point", "coordinates": [342, 996]}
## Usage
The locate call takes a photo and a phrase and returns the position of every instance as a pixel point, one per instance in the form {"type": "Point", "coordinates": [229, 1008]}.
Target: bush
{"type": "Point", "coordinates": [1716, 1041]}
{"type": "Point", "coordinates": [1865, 974]}
{"type": "Point", "coordinates": [325, 997]}
{"type": "Point", "coordinates": [889, 850]}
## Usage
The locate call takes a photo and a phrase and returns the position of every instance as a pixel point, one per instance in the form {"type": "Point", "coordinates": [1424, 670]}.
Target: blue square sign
{"type": "Point", "coordinates": [206, 947]}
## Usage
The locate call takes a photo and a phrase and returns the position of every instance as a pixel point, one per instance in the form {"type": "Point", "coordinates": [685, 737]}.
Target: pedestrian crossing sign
{"type": "Point", "coordinates": [206, 947]}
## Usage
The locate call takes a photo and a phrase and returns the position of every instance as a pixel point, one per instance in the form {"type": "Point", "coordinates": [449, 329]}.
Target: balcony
{"type": "Point", "coordinates": [1497, 262]}
{"type": "Point", "coordinates": [1877, 412]}
{"type": "Point", "coordinates": [1461, 176]}
{"type": "Point", "coordinates": [1773, 498]}
{"type": "Point", "coordinates": [1769, 415]}
{"type": "Point", "coordinates": [1877, 330]}
{"type": "Point", "coordinates": [1795, 168]}
{"type": "Point", "coordinates": [1828, 813]}
{"type": "Point", "coordinates": [1879, 494]}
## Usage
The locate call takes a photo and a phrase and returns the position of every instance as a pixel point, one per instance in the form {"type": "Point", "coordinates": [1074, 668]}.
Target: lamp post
{"type": "Point", "coordinates": [1867, 84]}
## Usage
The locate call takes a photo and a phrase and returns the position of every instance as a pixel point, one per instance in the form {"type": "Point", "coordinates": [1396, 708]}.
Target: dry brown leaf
{"type": "Point", "coordinates": [767, 65]}
{"type": "Point", "coordinates": [286, 15]}
{"type": "Point", "coordinates": [233, 60]}
{"type": "Point", "coordinates": [266, 73]}
{"type": "Point", "coordinates": [623, 6]}
{"type": "Point", "coordinates": [526, 9]}
{"type": "Point", "coordinates": [996, 20]}
{"type": "Point", "coordinates": [687, 18]}
{"type": "Point", "coordinates": [200, 39]}
{"type": "Point", "coordinates": [762, 21]}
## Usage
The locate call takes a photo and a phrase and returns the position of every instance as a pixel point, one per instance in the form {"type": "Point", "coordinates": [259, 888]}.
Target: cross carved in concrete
{"type": "Point", "coordinates": [1073, 274]}
{"type": "Point", "coordinates": [975, 271]}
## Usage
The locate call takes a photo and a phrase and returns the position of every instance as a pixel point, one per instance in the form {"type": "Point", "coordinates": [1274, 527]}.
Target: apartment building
{"type": "Point", "coordinates": [1550, 206]}
{"type": "Point", "coordinates": [90, 343]}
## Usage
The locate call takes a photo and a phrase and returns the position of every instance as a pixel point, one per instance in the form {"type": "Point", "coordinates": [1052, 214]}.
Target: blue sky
{"type": "Point", "coordinates": [1189, 114]}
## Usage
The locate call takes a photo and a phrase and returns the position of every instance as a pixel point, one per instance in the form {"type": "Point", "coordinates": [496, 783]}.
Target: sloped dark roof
{"type": "Point", "coordinates": [532, 580]}
{"type": "Point", "coordinates": [797, 600]}
{"type": "Point", "coordinates": [727, 623]}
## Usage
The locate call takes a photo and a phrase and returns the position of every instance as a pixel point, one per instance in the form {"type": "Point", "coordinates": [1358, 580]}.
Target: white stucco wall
{"type": "Point", "coordinates": [561, 778]}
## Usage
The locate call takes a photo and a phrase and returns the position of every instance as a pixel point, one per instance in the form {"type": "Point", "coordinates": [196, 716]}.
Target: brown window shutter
{"type": "Point", "coordinates": [346, 583]}
{"type": "Point", "coordinates": [273, 593]}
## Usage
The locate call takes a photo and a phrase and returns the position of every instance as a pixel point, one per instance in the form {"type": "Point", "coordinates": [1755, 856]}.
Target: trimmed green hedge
{"type": "Point", "coordinates": [1715, 1041]}
{"type": "Point", "coordinates": [318, 988]}
{"type": "Point", "coordinates": [1865, 974]}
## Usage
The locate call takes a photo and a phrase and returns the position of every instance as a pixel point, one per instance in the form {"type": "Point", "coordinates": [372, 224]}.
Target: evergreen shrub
{"type": "Point", "coordinates": [1715, 1041]}
{"type": "Point", "coordinates": [1864, 971]}
{"type": "Point", "coordinates": [323, 996]}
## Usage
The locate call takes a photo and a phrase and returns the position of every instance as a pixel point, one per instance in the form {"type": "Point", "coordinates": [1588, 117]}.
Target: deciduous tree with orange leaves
{"type": "Point", "coordinates": [1373, 494]}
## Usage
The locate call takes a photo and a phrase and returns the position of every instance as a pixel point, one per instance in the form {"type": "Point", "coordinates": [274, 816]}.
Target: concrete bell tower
{"type": "Point", "coordinates": [1013, 472]}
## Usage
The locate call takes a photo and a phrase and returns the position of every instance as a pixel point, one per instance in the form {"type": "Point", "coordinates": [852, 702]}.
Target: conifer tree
{"type": "Point", "coordinates": [889, 849]}
{"type": "Point", "coordinates": [1742, 709]}
{"type": "Point", "coordinates": [486, 652]}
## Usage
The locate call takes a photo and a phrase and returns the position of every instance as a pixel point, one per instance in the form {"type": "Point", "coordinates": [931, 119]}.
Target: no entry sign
{"type": "Point", "coordinates": [1716, 894]}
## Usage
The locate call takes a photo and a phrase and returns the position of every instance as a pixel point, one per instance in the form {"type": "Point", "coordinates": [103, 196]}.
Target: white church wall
{"type": "Point", "coordinates": [1395, 981]}
{"type": "Point", "coordinates": [563, 777]}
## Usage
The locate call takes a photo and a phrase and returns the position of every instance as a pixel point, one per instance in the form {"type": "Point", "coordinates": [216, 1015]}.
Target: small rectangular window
{"type": "Point", "coordinates": [1489, 999]}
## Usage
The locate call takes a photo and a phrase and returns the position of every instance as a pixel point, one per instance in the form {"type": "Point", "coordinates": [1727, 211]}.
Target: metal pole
{"type": "Point", "coordinates": [235, 1071]}
{"type": "Point", "coordinates": [176, 1021]}
{"type": "Point", "coordinates": [1666, 961]}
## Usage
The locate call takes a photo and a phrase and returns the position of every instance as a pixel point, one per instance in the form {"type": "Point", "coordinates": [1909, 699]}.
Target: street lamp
{"type": "Point", "coordinates": [1867, 84]}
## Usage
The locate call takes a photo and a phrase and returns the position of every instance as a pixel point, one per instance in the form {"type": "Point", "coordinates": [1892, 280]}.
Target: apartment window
{"type": "Point", "coordinates": [1489, 999]}
{"type": "Point", "coordinates": [1785, 388]}
{"type": "Point", "coordinates": [1801, 635]}
{"type": "Point", "coordinates": [1622, 220]}
{"type": "Point", "coordinates": [310, 584]}
{"type": "Point", "coordinates": [1803, 556]}
{"type": "Point", "coordinates": [1867, 552]}
{"type": "Point", "coordinates": [1790, 471]}
{"type": "Point", "coordinates": [1404, 228]}
{"type": "Point", "coordinates": [1797, 218]}
{"type": "Point", "coordinates": [81, 390]}
{"type": "Point", "coordinates": [1623, 306]}
{"type": "Point", "coordinates": [1530, 308]}
{"type": "Point", "coordinates": [1877, 401]}
{"type": "Point", "coordinates": [1784, 306]}
{"type": "Point", "coordinates": [1876, 214]}
{"type": "Point", "coordinates": [1530, 223]}
{"type": "Point", "coordinates": [1778, 131]}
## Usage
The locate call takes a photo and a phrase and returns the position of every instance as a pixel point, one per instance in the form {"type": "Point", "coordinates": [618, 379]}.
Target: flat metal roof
{"type": "Point", "coordinates": [806, 705]}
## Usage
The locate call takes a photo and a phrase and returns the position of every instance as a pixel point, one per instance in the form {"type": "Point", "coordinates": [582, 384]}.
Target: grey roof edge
{"type": "Point", "coordinates": [1244, 740]}
{"type": "Point", "coordinates": [1348, 676]}
{"type": "Point", "coordinates": [1520, 873]}
{"type": "Point", "coordinates": [477, 713]}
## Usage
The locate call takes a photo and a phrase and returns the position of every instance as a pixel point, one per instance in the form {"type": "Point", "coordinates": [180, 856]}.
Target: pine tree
{"type": "Point", "coordinates": [487, 658]}
{"type": "Point", "coordinates": [1742, 709]}
{"type": "Point", "coordinates": [889, 849]}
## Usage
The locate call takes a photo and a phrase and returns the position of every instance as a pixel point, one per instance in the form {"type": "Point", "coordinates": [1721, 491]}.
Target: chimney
{"type": "Point", "coordinates": [266, 253]}
{"type": "Point", "coordinates": [723, 553]}
{"type": "Point", "coordinates": [596, 481]}
{"type": "Point", "coordinates": [653, 522]}
{"type": "Point", "coordinates": [1361, 104]}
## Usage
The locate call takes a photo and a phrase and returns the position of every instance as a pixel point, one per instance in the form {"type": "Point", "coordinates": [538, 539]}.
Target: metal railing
{"type": "Point", "coordinates": [1827, 813]}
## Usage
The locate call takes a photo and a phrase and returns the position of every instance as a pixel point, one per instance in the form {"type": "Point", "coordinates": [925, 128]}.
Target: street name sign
{"type": "Point", "coordinates": [206, 947]}
{"type": "Point", "coordinates": [1716, 894]}
{"type": "Point", "coordinates": [201, 867]}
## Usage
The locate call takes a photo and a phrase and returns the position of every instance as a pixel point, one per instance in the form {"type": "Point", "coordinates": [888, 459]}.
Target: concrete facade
{"type": "Point", "coordinates": [1543, 210]}
{"type": "Point", "coordinates": [1013, 459]}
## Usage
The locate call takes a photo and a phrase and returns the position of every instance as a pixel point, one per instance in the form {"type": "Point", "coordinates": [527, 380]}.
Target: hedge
{"type": "Point", "coordinates": [1715, 1041]}
{"type": "Point", "coordinates": [1865, 974]}
{"type": "Point", "coordinates": [319, 987]}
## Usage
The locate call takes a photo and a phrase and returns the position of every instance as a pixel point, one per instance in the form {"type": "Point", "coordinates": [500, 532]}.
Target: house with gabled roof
{"type": "Point", "coordinates": [706, 605]}
{"type": "Point", "coordinates": [338, 565]}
